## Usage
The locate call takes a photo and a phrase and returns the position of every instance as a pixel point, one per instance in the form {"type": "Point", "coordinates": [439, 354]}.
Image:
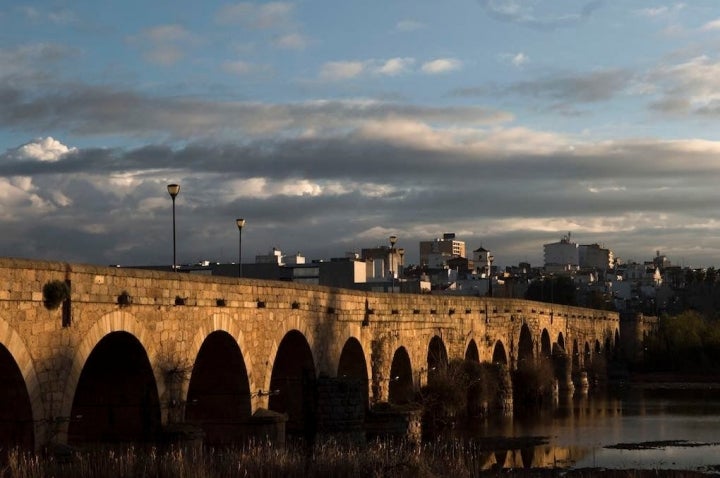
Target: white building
{"type": "Point", "coordinates": [561, 256]}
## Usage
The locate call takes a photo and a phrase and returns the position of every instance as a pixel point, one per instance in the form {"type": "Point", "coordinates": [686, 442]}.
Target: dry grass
{"type": "Point", "coordinates": [379, 459]}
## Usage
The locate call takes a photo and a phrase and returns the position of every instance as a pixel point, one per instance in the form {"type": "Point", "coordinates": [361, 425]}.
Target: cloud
{"type": "Point", "coordinates": [395, 66]}
{"type": "Point", "coordinates": [260, 16]}
{"type": "Point", "coordinates": [711, 25]}
{"type": "Point", "coordinates": [441, 65]}
{"type": "Point", "coordinates": [654, 12]}
{"type": "Point", "coordinates": [41, 149]}
{"type": "Point", "coordinates": [557, 14]}
{"type": "Point", "coordinates": [243, 68]}
{"type": "Point", "coordinates": [408, 26]}
{"type": "Point", "coordinates": [291, 41]}
{"type": "Point", "coordinates": [164, 45]}
{"type": "Point", "coordinates": [57, 17]}
{"type": "Point", "coordinates": [347, 70]}
{"type": "Point", "coordinates": [341, 70]}
{"type": "Point", "coordinates": [687, 88]}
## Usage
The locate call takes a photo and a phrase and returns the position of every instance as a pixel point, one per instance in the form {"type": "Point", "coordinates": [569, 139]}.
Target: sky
{"type": "Point", "coordinates": [331, 125]}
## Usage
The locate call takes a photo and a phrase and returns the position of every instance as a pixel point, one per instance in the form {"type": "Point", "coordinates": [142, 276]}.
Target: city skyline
{"type": "Point", "coordinates": [330, 127]}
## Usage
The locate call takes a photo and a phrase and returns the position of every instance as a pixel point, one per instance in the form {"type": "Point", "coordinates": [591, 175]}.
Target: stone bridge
{"type": "Point", "coordinates": [130, 353]}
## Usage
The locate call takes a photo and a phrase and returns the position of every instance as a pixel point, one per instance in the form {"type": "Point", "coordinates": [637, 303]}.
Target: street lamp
{"type": "Point", "coordinates": [490, 261]}
{"type": "Point", "coordinates": [240, 223]}
{"type": "Point", "coordinates": [401, 253]}
{"type": "Point", "coordinates": [393, 240]}
{"type": "Point", "coordinates": [173, 190]}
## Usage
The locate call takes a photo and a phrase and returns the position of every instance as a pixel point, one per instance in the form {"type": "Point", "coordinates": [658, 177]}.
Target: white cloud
{"type": "Point", "coordinates": [711, 25]}
{"type": "Point", "coordinates": [520, 59]}
{"type": "Point", "coordinates": [409, 26]}
{"type": "Point", "coordinates": [42, 149]}
{"type": "Point", "coordinates": [242, 68]}
{"type": "Point", "coordinates": [395, 66]}
{"type": "Point", "coordinates": [164, 44]}
{"type": "Point", "coordinates": [291, 41]}
{"type": "Point", "coordinates": [341, 70]}
{"type": "Point", "coordinates": [441, 65]}
{"type": "Point", "coordinates": [653, 12]}
{"type": "Point", "coordinates": [257, 16]}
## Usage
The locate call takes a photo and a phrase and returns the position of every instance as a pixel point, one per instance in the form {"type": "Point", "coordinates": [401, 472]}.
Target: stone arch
{"type": "Point", "coordinates": [400, 388]}
{"type": "Point", "coordinates": [218, 396]}
{"type": "Point", "coordinates": [292, 325]}
{"type": "Point", "coordinates": [617, 349]}
{"type": "Point", "coordinates": [437, 357]}
{"type": "Point", "coordinates": [117, 321]}
{"type": "Point", "coordinates": [471, 352]}
{"type": "Point", "coordinates": [587, 357]}
{"type": "Point", "coordinates": [499, 356]}
{"type": "Point", "coordinates": [17, 349]}
{"type": "Point", "coordinates": [575, 356]}
{"type": "Point", "coordinates": [221, 323]}
{"type": "Point", "coordinates": [545, 345]}
{"type": "Point", "coordinates": [292, 383]}
{"type": "Point", "coordinates": [608, 346]}
{"type": "Point", "coordinates": [352, 366]}
{"type": "Point", "coordinates": [561, 340]}
{"type": "Point", "coordinates": [525, 345]}
{"type": "Point", "coordinates": [116, 399]}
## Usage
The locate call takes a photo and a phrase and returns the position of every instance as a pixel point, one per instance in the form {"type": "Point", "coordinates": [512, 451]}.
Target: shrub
{"type": "Point", "coordinates": [55, 293]}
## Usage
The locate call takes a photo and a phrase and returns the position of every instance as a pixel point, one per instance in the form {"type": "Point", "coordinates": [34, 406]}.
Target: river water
{"type": "Point", "coordinates": [671, 427]}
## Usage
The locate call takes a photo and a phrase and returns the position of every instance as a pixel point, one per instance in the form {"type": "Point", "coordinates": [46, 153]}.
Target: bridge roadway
{"type": "Point", "coordinates": [132, 352]}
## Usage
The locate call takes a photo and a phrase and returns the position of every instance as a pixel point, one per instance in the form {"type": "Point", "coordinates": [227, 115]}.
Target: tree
{"type": "Point", "coordinates": [555, 290]}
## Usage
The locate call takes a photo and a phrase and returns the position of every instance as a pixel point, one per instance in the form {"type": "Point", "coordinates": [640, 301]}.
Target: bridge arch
{"type": "Point", "coordinates": [545, 345]}
{"type": "Point", "coordinates": [561, 341]}
{"type": "Point", "coordinates": [400, 388]}
{"type": "Point", "coordinates": [220, 323]}
{"type": "Point", "coordinates": [437, 357]}
{"type": "Point", "coordinates": [292, 382]}
{"type": "Point", "coordinates": [471, 352]}
{"type": "Point", "coordinates": [499, 356]}
{"type": "Point", "coordinates": [116, 321]}
{"type": "Point", "coordinates": [525, 345]}
{"type": "Point", "coordinates": [218, 396]}
{"type": "Point", "coordinates": [352, 365]}
{"type": "Point", "coordinates": [116, 399]}
{"type": "Point", "coordinates": [20, 362]}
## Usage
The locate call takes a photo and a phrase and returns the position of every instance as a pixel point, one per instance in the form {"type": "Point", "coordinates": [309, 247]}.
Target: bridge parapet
{"type": "Point", "coordinates": [168, 319]}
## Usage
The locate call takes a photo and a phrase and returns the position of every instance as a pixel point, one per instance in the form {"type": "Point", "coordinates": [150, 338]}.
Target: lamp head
{"type": "Point", "coordinates": [240, 223]}
{"type": "Point", "coordinates": [393, 240]}
{"type": "Point", "coordinates": [173, 190]}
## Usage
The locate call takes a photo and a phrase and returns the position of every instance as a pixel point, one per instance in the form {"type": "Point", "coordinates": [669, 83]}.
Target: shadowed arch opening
{"type": "Point", "coordinates": [352, 366]}
{"type": "Point", "coordinates": [116, 399]}
{"type": "Point", "coordinates": [545, 346]}
{"type": "Point", "coordinates": [293, 384]}
{"type": "Point", "coordinates": [499, 356]}
{"type": "Point", "coordinates": [219, 390]}
{"type": "Point", "coordinates": [525, 345]}
{"type": "Point", "coordinates": [471, 353]}
{"type": "Point", "coordinates": [437, 358]}
{"type": "Point", "coordinates": [575, 356]}
{"type": "Point", "coordinates": [16, 417]}
{"type": "Point", "coordinates": [561, 341]}
{"type": "Point", "coordinates": [588, 355]}
{"type": "Point", "coordinates": [617, 350]}
{"type": "Point", "coordinates": [608, 346]}
{"type": "Point", "coordinates": [400, 389]}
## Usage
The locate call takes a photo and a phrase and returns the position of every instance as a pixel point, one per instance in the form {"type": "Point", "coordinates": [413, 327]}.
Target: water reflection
{"type": "Point", "coordinates": [610, 429]}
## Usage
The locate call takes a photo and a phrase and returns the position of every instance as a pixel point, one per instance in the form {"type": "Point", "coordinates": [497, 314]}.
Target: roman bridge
{"type": "Point", "coordinates": [129, 352]}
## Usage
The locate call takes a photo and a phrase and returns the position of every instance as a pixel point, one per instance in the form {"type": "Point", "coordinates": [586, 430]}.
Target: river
{"type": "Point", "coordinates": [660, 427]}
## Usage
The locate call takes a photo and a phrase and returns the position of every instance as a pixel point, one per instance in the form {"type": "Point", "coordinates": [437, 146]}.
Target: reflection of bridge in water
{"type": "Point", "coordinates": [132, 352]}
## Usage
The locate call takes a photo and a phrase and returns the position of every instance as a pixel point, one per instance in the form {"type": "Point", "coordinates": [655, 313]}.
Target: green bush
{"type": "Point", "coordinates": [55, 293]}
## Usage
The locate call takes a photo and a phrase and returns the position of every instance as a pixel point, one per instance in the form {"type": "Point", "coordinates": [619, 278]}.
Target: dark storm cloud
{"type": "Point", "coordinates": [91, 110]}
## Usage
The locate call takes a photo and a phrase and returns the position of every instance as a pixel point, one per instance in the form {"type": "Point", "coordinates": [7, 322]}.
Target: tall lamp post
{"type": "Point", "coordinates": [401, 253]}
{"type": "Point", "coordinates": [393, 240]}
{"type": "Point", "coordinates": [173, 190]}
{"type": "Point", "coordinates": [240, 224]}
{"type": "Point", "coordinates": [490, 261]}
